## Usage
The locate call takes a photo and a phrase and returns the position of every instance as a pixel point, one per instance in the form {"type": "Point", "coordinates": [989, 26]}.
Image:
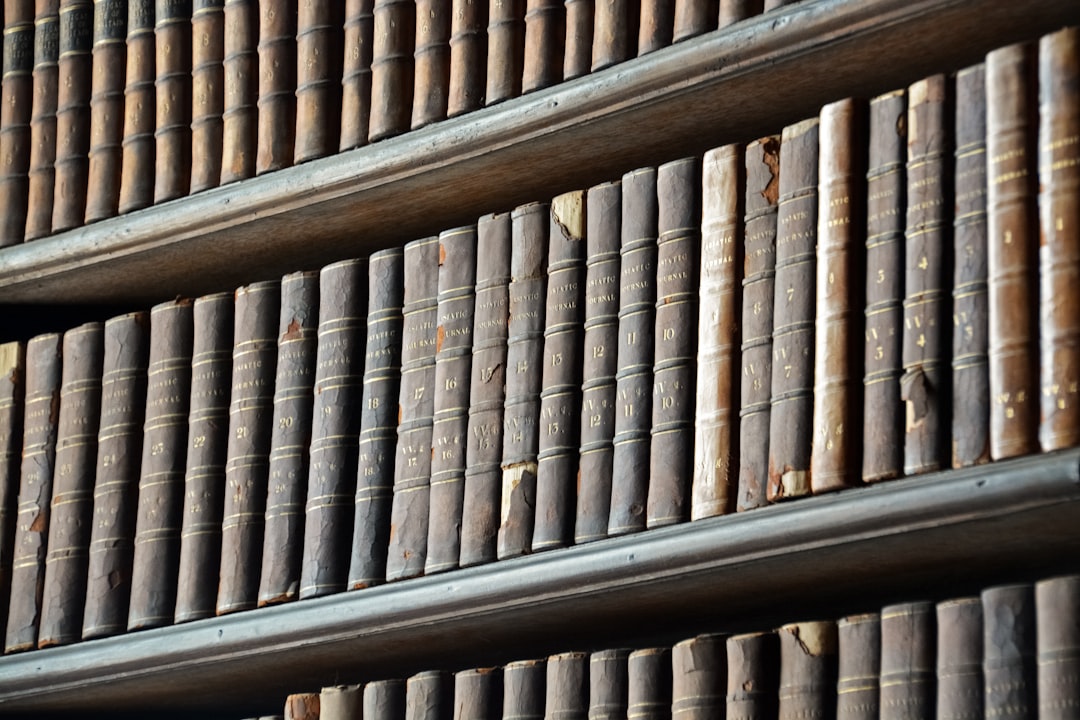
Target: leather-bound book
{"type": "Point", "coordinates": [302, 706]}
{"type": "Point", "coordinates": [392, 68]}
{"type": "Point", "coordinates": [384, 700]}
{"type": "Point", "coordinates": [524, 356]}
{"type": "Point", "coordinates": [883, 413]}
{"type": "Point", "coordinates": [1059, 247]}
{"type": "Point", "coordinates": [506, 49]}
{"type": "Point", "coordinates": [73, 486]}
{"type": "Point", "coordinates": [277, 86]}
{"type": "Point", "coordinates": [1010, 678]}
{"type": "Point", "coordinates": [959, 659]}
{"type": "Point", "coordinates": [732, 11]}
{"type": "Point", "coordinates": [567, 691]}
{"type": "Point", "coordinates": [615, 32]}
{"type": "Point", "coordinates": [1057, 614]}
{"type": "Point", "coordinates": [762, 198]}
{"type": "Point", "coordinates": [207, 92]}
{"type": "Point", "coordinates": [468, 56]}
{"type": "Point", "coordinates": [116, 485]}
{"type": "Point", "coordinates": [204, 475]}
{"type": "Point", "coordinates": [608, 689]}
{"type": "Point", "coordinates": [12, 392]}
{"type": "Point", "coordinates": [335, 427]}
{"type": "Point", "coordinates": [247, 462]}
{"type": "Point", "coordinates": [73, 113]}
{"type": "Point", "coordinates": [560, 396]}
{"type": "Point", "coordinates": [453, 374]}
{"type": "Point", "coordinates": [694, 17]}
{"type": "Point", "coordinates": [678, 189]}
{"type": "Point", "coordinates": [416, 407]}
{"type": "Point", "coordinates": [523, 690]}
{"type": "Point", "coordinates": [577, 54]}
{"type": "Point", "coordinates": [650, 684]}
{"type": "Point", "coordinates": [42, 172]}
{"type": "Point", "coordinates": [341, 702]}
{"type": "Point", "coordinates": [699, 678]}
{"type": "Point", "coordinates": [970, 366]}
{"type": "Point", "coordinates": [290, 439]}
{"type": "Point", "coordinates": [655, 25]}
{"type": "Point", "coordinates": [483, 454]}
{"type": "Point", "coordinates": [137, 143]}
{"type": "Point", "coordinates": [545, 41]}
{"type": "Point", "coordinates": [161, 480]}
{"type": "Point", "coordinates": [858, 667]}
{"type": "Point", "coordinates": [378, 419]}
{"type": "Point", "coordinates": [634, 377]}
{"type": "Point", "coordinates": [319, 64]}
{"type": "Point", "coordinates": [716, 432]}
{"type": "Point", "coordinates": [240, 118]}
{"type": "Point", "coordinates": [753, 680]}
{"type": "Point", "coordinates": [600, 362]}
{"type": "Point", "coordinates": [17, 99]}
{"type": "Point", "coordinates": [109, 66]}
{"type": "Point", "coordinates": [431, 61]}
{"type": "Point", "coordinates": [808, 670]}
{"type": "Point", "coordinates": [477, 693]}
{"type": "Point", "coordinates": [907, 661]}
{"type": "Point", "coordinates": [356, 73]}
{"type": "Point", "coordinates": [429, 696]}
{"type": "Point", "coordinates": [791, 417]}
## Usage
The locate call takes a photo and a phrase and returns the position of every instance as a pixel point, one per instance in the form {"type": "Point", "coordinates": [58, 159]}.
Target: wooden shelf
{"type": "Point", "coordinates": [729, 85]}
{"type": "Point", "coordinates": [849, 550]}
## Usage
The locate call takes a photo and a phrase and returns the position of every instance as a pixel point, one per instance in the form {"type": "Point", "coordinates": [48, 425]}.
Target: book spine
{"type": "Point", "coordinates": [601, 337]}
{"type": "Point", "coordinates": [137, 143]}
{"type": "Point", "coordinates": [42, 173]}
{"type": "Point", "coordinates": [277, 86]}
{"type": "Point", "coordinates": [319, 65]}
{"type": "Point", "coordinates": [109, 65]}
{"type": "Point", "coordinates": [545, 40]}
{"type": "Point", "coordinates": [567, 687]}
{"type": "Point", "coordinates": [608, 688]}
{"type": "Point", "coordinates": [506, 49]}
{"type": "Point", "coordinates": [698, 678]}
{"type": "Point", "coordinates": [207, 92]}
{"type": "Point", "coordinates": [378, 418]}
{"type": "Point", "coordinates": [716, 432]}
{"type": "Point", "coordinates": [204, 475]}
{"type": "Point", "coordinates": [339, 368]}
{"type": "Point", "coordinates": [302, 706]}
{"type": "Point", "coordinates": [116, 484]}
{"type": "Point", "coordinates": [634, 378]}
{"type": "Point", "coordinates": [297, 344]}
{"type": "Point", "coordinates": [560, 396]}
{"type": "Point", "coordinates": [240, 113]}
{"type": "Point", "coordinates": [429, 696]}
{"type": "Point", "coordinates": [73, 113]}
{"type": "Point", "coordinates": [753, 662]}
{"type": "Point", "coordinates": [477, 693]}
{"type": "Point", "coordinates": [577, 58]}
{"type": "Point", "coordinates": [858, 667]}
{"type": "Point", "coordinates": [468, 56]}
{"type": "Point", "coordinates": [524, 356]}
{"type": "Point", "coordinates": [1010, 679]}
{"type": "Point", "coordinates": [790, 419]}
{"type": "Point", "coordinates": [341, 702]}
{"type": "Point", "coordinates": [650, 684]}
{"type": "Point", "coordinates": [247, 465]}
{"type": "Point", "coordinates": [959, 659]}
{"type": "Point", "coordinates": [384, 700]}
{"type": "Point", "coordinates": [615, 31]}
{"type": "Point", "coordinates": [907, 661]}
{"type": "Point", "coordinates": [17, 100]}
{"type": "Point", "coordinates": [161, 481]}
{"type": "Point", "coordinates": [392, 67]}
{"type": "Point", "coordinates": [431, 62]}
{"type": "Point", "coordinates": [356, 73]}
{"type": "Point", "coordinates": [1057, 606]}
{"type": "Point", "coordinates": [808, 670]}
{"type": "Point", "coordinates": [694, 17]}
{"type": "Point", "coordinates": [732, 11]}
{"type": "Point", "coordinates": [762, 196]}
{"type": "Point", "coordinates": [453, 373]}
{"type": "Point", "coordinates": [524, 690]}
{"type": "Point", "coordinates": [12, 395]}
{"type": "Point", "coordinates": [655, 25]}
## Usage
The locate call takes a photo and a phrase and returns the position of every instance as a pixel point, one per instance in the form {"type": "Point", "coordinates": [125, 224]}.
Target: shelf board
{"type": "Point", "coordinates": [848, 549]}
{"type": "Point", "coordinates": [730, 85]}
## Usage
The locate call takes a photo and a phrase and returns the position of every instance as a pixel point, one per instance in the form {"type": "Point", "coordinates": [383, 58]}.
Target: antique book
{"type": "Point", "coordinates": [335, 427]}
{"type": "Point", "coordinates": [277, 86]}
{"type": "Point", "coordinates": [1057, 608]}
{"type": "Point", "coordinates": [1059, 246]}
{"type": "Point", "coordinates": [907, 660]}
{"type": "Point", "coordinates": [431, 61]}
{"type": "Point", "coordinates": [384, 700]}
{"type": "Point", "coordinates": [42, 171]}
{"type": "Point", "coordinates": [524, 690]}
{"type": "Point", "coordinates": [567, 691]}
{"type": "Point", "coordinates": [116, 484]}
{"type": "Point", "coordinates": [505, 50]}
{"type": "Point", "coordinates": [634, 377]}
{"type": "Point", "coordinates": [753, 681]}
{"type": "Point", "coordinates": [12, 392]}
{"type": "Point", "coordinates": [699, 677]}
{"type": "Point", "coordinates": [240, 113]}
{"type": "Point", "coordinates": [791, 417]}
{"type": "Point", "coordinates": [319, 65]}
{"type": "Point", "coordinates": [207, 92]}
{"type": "Point", "coordinates": [468, 56]}
{"type": "Point", "coordinates": [290, 435]}
{"type": "Point", "coordinates": [104, 151]}
{"type": "Point", "coordinates": [392, 68]}
{"type": "Point", "coordinates": [858, 666]}
{"type": "Point", "coordinates": [247, 462]}
{"type": "Point", "coordinates": [137, 140]}
{"type": "Point", "coordinates": [429, 696]}
{"type": "Point", "coordinates": [1010, 678]}
{"type": "Point", "coordinates": [608, 689]}
{"type": "Point", "coordinates": [959, 659]}
{"type": "Point", "coordinates": [577, 54]}
{"type": "Point", "coordinates": [73, 113]}
{"type": "Point", "coordinates": [545, 40]}
{"type": "Point", "coordinates": [655, 25]}
{"type": "Point", "coordinates": [759, 251]}
{"type": "Point", "coordinates": [732, 11]}
{"type": "Point", "coordinates": [172, 136]}
{"type": "Point", "coordinates": [341, 702]}
{"type": "Point", "coordinates": [808, 670]}
{"type": "Point", "coordinates": [883, 413]}
{"type": "Point", "coordinates": [17, 100]}
{"type": "Point", "coordinates": [650, 684]}
{"type": "Point", "coordinates": [560, 394]}
{"type": "Point", "coordinates": [356, 73]}
{"type": "Point", "coordinates": [477, 693]}
{"type": "Point", "coordinates": [716, 432]}
{"type": "Point", "coordinates": [302, 706]}
{"type": "Point", "coordinates": [164, 454]}
{"type": "Point", "coordinates": [691, 18]}
{"type": "Point", "coordinates": [615, 32]}
{"type": "Point", "coordinates": [204, 474]}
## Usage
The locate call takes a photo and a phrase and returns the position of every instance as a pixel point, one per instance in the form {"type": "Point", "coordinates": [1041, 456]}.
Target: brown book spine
{"type": "Point", "coordinates": [560, 396]}
{"type": "Point", "coordinates": [356, 73]}
{"type": "Point", "coordinates": [506, 49]}
{"type": "Point", "coordinates": [207, 92]}
{"type": "Point", "coordinates": [600, 345]}
{"type": "Point", "coordinates": [567, 687]}
{"type": "Point", "coordinates": [545, 39]}
{"type": "Point", "coordinates": [42, 172]}
{"type": "Point", "coordinates": [776, 4]}
{"type": "Point", "coordinates": [577, 58]}
{"type": "Point", "coordinates": [524, 356]}
{"type": "Point", "coordinates": [17, 98]}
{"type": "Point", "coordinates": [655, 25]}
{"type": "Point", "coordinates": [302, 706]}
{"type": "Point", "coordinates": [12, 393]}
{"type": "Point", "coordinates": [392, 68]}
{"type": "Point", "coordinates": [753, 679]}
{"type": "Point", "coordinates": [959, 659]}
{"type": "Point", "coordinates": [1057, 608]}
{"type": "Point", "coordinates": [204, 476]}
{"type": "Point", "coordinates": [615, 31]}
{"type": "Point", "coordinates": [431, 61]}
{"type": "Point", "coordinates": [339, 367]}
{"type": "Point", "coordinates": [608, 689]}
{"type": "Point", "coordinates": [319, 64]}
{"type": "Point", "coordinates": [429, 696]}
{"type": "Point", "coordinates": [759, 273]}
{"type": "Point", "coordinates": [907, 661]}
{"type": "Point", "coordinates": [524, 690]}
{"type": "Point", "coordinates": [650, 684]}
{"type": "Point", "coordinates": [483, 454]}
{"type": "Point", "coordinates": [104, 151]}
{"type": "Point", "coordinates": [858, 667]}
{"type": "Point", "coordinates": [678, 189]}
{"type": "Point", "coordinates": [477, 693]}
{"type": "Point", "coordinates": [161, 481]}
{"type": "Point", "coordinates": [883, 413]}
{"type": "Point", "coordinates": [297, 344]}
{"type": "Point", "coordinates": [716, 432]}
{"type": "Point", "coordinates": [240, 113]}
{"type": "Point", "coordinates": [468, 56]}
{"type": "Point", "coordinates": [694, 17]}
{"type": "Point", "coordinates": [341, 702]}
{"type": "Point", "coordinates": [808, 670]}
{"type": "Point", "coordinates": [137, 161]}
{"type": "Point", "coordinates": [116, 486]}
{"type": "Point", "coordinates": [73, 113]}
{"type": "Point", "coordinates": [699, 678]}
{"type": "Point", "coordinates": [732, 11]}
{"type": "Point", "coordinates": [384, 700]}
{"type": "Point", "coordinates": [1009, 651]}
{"type": "Point", "coordinates": [453, 373]}
{"type": "Point", "coordinates": [247, 461]}
{"type": "Point", "coordinates": [277, 86]}
{"type": "Point", "coordinates": [791, 417]}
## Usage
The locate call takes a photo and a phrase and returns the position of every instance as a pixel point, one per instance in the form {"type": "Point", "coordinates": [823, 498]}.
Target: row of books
{"type": "Point", "coordinates": [542, 378]}
{"type": "Point", "coordinates": [216, 91]}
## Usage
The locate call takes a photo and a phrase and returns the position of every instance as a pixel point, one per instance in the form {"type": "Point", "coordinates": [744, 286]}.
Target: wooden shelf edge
{"type": "Point", "coordinates": [932, 526]}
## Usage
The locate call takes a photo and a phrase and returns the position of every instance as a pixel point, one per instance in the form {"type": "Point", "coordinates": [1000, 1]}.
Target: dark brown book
{"type": "Point", "coordinates": [732, 11]}
{"type": "Point", "coordinates": [858, 667]}
{"type": "Point", "coordinates": [429, 696]}
{"type": "Point", "coordinates": [17, 100]}
{"type": "Point", "coordinates": [753, 680]}
{"type": "Point", "coordinates": [615, 31]}
{"type": "Point", "coordinates": [907, 661]}
{"type": "Point", "coordinates": [694, 17]}
{"type": "Point", "coordinates": [277, 86]}
{"type": "Point", "coordinates": [290, 439]}
{"type": "Point", "coordinates": [392, 68]}
{"type": "Point", "coordinates": [116, 486]}
{"type": "Point", "coordinates": [655, 25]}
{"type": "Point", "coordinates": [247, 463]}
{"type": "Point", "coordinates": [567, 691]}
{"type": "Point", "coordinates": [42, 172]}
{"type": "Point", "coordinates": [204, 475]}
{"type": "Point", "coordinates": [384, 700]}
{"type": "Point", "coordinates": [699, 678]}
{"type": "Point", "coordinates": [468, 56]}
{"type": "Point", "coordinates": [545, 40]}
{"type": "Point", "coordinates": [453, 373]}
{"type": "Point", "coordinates": [240, 118]}
{"type": "Point", "coordinates": [1010, 678]}
{"type": "Point", "coordinates": [1057, 612]}
{"type": "Point", "coordinates": [302, 706]}
{"type": "Point", "coordinates": [378, 418]}
{"type": "Point", "coordinates": [335, 426]}
{"type": "Point", "coordinates": [634, 377]}
{"type": "Point", "coordinates": [1059, 185]}
{"type": "Point", "coordinates": [477, 693]}
{"type": "Point", "coordinates": [356, 73]}
{"type": "Point", "coordinates": [73, 113]}
{"type": "Point", "coordinates": [416, 408]}
{"type": "Point", "coordinates": [341, 702]}
{"type": "Point", "coordinates": [959, 659]}
{"type": "Point", "coordinates": [577, 55]}
{"type": "Point", "coordinates": [808, 670]}
{"type": "Point", "coordinates": [109, 66]}
{"type": "Point", "coordinates": [650, 681]}
{"type": "Point", "coordinates": [560, 394]}
{"type": "Point", "coordinates": [506, 49]}
{"type": "Point", "coordinates": [791, 417]}
{"type": "Point", "coordinates": [164, 453]}
{"type": "Point", "coordinates": [207, 92]}
{"type": "Point", "coordinates": [524, 356]}
{"type": "Point", "coordinates": [12, 392]}
{"type": "Point", "coordinates": [883, 413]}
{"type": "Point", "coordinates": [600, 362]}
{"type": "Point", "coordinates": [319, 64]}
{"type": "Point", "coordinates": [137, 158]}
{"type": "Point", "coordinates": [716, 432]}
{"type": "Point", "coordinates": [759, 249]}
{"type": "Point", "coordinates": [608, 690]}
{"type": "Point", "coordinates": [431, 60]}
{"type": "Point", "coordinates": [523, 690]}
